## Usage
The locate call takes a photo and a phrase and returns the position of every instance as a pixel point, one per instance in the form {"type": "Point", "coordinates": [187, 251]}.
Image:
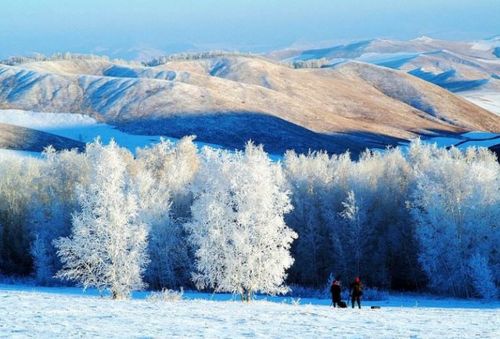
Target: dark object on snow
{"type": "Point", "coordinates": [375, 307]}
{"type": "Point", "coordinates": [342, 304]}
{"type": "Point", "coordinates": [336, 290]}
{"type": "Point", "coordinates": [356, 291]}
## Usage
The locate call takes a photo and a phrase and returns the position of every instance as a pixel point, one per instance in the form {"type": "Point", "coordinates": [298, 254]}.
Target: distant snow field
{"type": "Point", "coordinates": [86, 129]}
{"type": "Point", "coordinates": [74, 126]}
{"type": "Point", "coordinates": [61, 314]}
{"type": "Point", "coordinates": [486, 100]}
{"type": "Point", "coordinates": [80, 127]}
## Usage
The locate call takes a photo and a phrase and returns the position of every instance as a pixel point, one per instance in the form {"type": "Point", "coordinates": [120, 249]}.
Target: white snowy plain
{"type": "Point", "coordinates": [67, 312]}
{"type": "Point", "coordinates": [486, 99]}
{"type": "Point", "coordinates": [75, 126]}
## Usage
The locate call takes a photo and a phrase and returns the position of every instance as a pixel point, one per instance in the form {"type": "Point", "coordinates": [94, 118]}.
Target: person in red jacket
{"type": "Point", "coordinates": [356, 291]}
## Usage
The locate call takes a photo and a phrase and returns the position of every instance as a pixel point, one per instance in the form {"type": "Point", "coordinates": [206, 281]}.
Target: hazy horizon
{"type": "Point", "coordinates": [127, 29]}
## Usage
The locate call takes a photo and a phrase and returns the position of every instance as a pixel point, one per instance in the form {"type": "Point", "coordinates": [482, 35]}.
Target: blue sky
{"type": "Point", "coordinates": [122, 27]}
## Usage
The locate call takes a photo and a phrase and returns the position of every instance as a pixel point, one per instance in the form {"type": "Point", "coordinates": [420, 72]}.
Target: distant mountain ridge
{"type": "Point", "coordinates": [229, 98]}
{"type": "Point", "coordinates": [454, 65]}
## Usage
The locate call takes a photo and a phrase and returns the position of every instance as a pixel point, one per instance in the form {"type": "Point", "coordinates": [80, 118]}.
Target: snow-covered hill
{"type": "Point", "coordinates": [486, 99]}
{"type": "Point", "coordinates": [16, 137]}
{"type": "Point", "coordinates": [470, 69]}
{"type": "Point", "coordinates": [58, 313]}
{"type": "Point", "coordinates": [227, 99]}
{"type": "Point", "coordinates": [454, 65]}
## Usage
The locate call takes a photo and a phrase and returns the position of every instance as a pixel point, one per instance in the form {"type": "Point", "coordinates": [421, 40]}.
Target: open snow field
{"type": "Point", "coordinates": [66, 312]}
{"type": "Point", "coordinates": [75, 126]}
{"type": "Point", "coordinates": [82, 128]}
{"type": "Point", "coordinates": [86, 129]}
{"type": "Point", "coordinates": [484, 99]}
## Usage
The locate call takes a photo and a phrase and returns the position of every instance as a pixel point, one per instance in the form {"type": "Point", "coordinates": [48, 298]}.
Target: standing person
{"type": "Point", "coordinates": [356, 291]}
{"type": "Point", "coordinates": [336, 290]}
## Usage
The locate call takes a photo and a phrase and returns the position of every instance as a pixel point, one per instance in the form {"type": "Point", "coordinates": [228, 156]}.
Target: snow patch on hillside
{"type": "Point", "coordinates": [391, 60]}
{"type": "Point", "coordinates": [75, 126]}
{"type": "Point", "coordinates": [424, 38]}
{"type": "Point", "coordinates": [487, 100]}
{"type": "Point", "coordinates": [485, 45]}
{"type": "Point", "coordinates": [84, 128]}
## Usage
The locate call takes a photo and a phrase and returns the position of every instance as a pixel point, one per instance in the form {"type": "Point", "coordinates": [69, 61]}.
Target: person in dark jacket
{"type": "Point", "coordinates": [356, 291]}
{"type": "Point", "coordinates": [336, 290]}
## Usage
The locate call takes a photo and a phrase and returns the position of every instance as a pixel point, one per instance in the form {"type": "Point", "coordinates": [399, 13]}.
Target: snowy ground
{"type": "Point", "coordinates": [49, 313]}
{"type": "Point", "coordinates": [75, 126]}
{"type": "Point", "coordinates": [485, 99]}
{"type": "Point", "coordinates": [80, 127]}
{"type": "Point", "coordinates": [84, 128]}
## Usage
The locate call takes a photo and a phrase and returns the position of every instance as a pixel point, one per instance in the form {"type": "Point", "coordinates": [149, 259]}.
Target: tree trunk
{"type": "Point", "coordinates": [246, 295]}
{"type": "Point", "coordinates": [116, 295]}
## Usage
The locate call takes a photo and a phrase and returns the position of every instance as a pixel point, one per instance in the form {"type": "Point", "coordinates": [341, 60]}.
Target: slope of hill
{"type": "Point", "coordinates": [484, 49]}
{"type": "Point", "coordinates": [229, 99]}
{"type": "Point", "coordinates": [25, 139]}
{"type": "Point", "coordinates": [454, 65]}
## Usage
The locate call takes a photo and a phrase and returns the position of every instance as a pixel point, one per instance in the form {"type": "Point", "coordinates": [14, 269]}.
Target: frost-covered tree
{"type": "Point", "coordinates": [381, 181]}
{"type": "Point", "coordinates": [308, 177]}
{"type": "Point", "coordinates": [165, 172]}
{"type": "Point", "coordinates": [456, 208]}
{"type": "Point", "coordinates": [51, 208]}
{"type": "Point", "coordinates": [483, 280]}
{"type": "Point", "coordinates": [18, 176]}
{"type": "Point", "coordinates": [356, 230]}
{"type": "Point", "coordinates": [327, 239]}
{"type": "Point", "coordinates": [174, 166]}
{"type": "Point", "coordinates": [237, 229]}
{"type": "Point", "coordinates": [154, 210]}
{"type": "Point", "coordinates": [334, 194]}
{"type": "Point", "coordinates": [107, 246]}
{"type": "Point", "coordinates": [394, 229]}
{"type": "Point", "coordinates": [399, 219]}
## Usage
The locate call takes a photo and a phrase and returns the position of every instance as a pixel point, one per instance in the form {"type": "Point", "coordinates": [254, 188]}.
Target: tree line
{"type": "Point", "coordinates": [172, 215]}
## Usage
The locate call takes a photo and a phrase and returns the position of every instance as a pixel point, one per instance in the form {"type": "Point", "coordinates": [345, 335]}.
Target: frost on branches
{"type": "Point", "coordinates": [107, 247]}
{"type": "Point", "coordinates": [51, 207]}
{"type": "Point", "coordinates": [237, 228]}
{"type": "Point", "coordinates": [164, 173]}
{"type": "Point", "coordinates": [457, 212]}
{"type": "Point", "coordinates": [426, 218]}
{"type": "Point", "coordinates": [358, 237]}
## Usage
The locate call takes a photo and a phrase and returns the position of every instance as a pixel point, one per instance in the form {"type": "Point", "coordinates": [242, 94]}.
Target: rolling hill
{"type": "Point", "coordinates": [26, 139]}
{"type": "Point", "coordinates": [454, 65]}
{"type": "Point", "coordinates": [228, 99]}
